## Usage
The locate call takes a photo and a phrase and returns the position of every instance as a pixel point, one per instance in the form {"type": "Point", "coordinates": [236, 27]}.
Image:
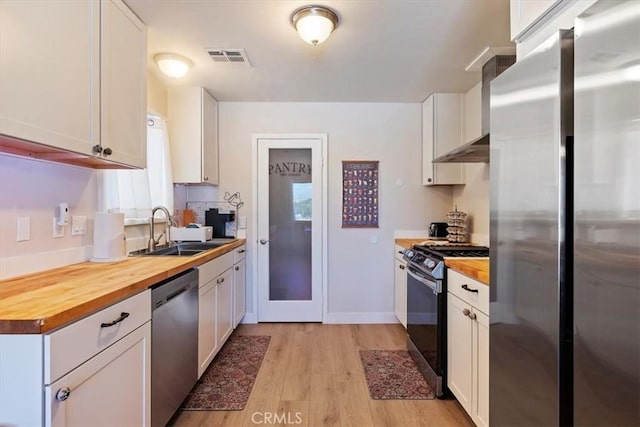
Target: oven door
{"type": "Point", "coordinates": [426, 319]}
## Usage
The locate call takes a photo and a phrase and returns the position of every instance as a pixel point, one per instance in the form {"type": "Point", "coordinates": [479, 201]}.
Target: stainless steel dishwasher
{"type": "Point", "coordinates": [174, 344]}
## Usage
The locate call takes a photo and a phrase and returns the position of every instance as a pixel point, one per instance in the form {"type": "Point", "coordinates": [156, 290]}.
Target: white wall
{"type": "Point", "coordinates": [360, 276]}
{"type": "Point", "coordinates": [33, 189]}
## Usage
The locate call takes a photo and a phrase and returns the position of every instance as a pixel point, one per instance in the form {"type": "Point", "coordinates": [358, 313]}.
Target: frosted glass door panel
{"type": "Point", "coordinates": [290, 203]}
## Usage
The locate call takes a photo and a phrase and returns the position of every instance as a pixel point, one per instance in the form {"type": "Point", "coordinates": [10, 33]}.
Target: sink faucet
{"type": "Point", "coordinates": [152, 240]}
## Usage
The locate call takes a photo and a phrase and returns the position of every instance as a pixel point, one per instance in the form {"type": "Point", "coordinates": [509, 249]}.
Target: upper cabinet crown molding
{"type": "Point", "coordinates": [71, 92]}
{"type": "Point", "coordinates": [193, 134]}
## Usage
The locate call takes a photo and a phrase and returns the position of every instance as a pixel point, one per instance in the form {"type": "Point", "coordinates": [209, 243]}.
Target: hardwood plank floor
{"type": "Point", "coordinates": [312, 376]}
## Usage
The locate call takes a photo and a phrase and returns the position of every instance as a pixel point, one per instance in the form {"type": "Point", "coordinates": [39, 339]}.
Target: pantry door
{"type": "Point", "coordinates": [290, 192]}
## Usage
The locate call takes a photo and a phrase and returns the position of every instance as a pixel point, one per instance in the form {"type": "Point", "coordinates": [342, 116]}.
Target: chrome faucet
{"type": "Point", "coordinates": [152, 241]}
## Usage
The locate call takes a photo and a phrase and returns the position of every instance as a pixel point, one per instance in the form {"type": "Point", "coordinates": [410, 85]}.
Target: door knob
{"type": "Point", "coordinates": [263, 241]}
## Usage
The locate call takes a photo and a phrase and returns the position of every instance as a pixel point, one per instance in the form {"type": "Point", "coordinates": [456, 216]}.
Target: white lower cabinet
{"type": "Point", "coordinates": [111, 389]}
{"type": "Point", "coordinates": [468, 345]}
{"type": "Point", "coordinates": [400, 287]}
{"type": "Point", "coordinates": [95, 371]}
{"type": "Point", "coordinates": [224, 306]}
{"type": "Point", "coordinates": [239, 284]}
{"type": "Point", "coordinates": [207, 340]}
{"type": "Point", "coordinates": [215, 308]}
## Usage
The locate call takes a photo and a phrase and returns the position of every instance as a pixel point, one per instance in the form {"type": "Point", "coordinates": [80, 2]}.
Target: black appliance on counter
{"type": "Point", "coordinates": [427, 307]}
{"type": "Point", "coordinates": [218, 220]}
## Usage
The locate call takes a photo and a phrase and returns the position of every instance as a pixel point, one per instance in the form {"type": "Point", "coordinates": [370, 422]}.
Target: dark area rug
{"type": "Point", "coordinates": [227, 382]}
{"type": "Point", "coordinates": [393, 375]}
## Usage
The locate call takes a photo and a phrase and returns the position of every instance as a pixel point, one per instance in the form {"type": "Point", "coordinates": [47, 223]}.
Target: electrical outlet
{"type": "Point", "coordinates": [78, 225]}
{"type": "Point", "coordinates": [58, 230]}
{"type": "Point", "coordinates": [23, 229]}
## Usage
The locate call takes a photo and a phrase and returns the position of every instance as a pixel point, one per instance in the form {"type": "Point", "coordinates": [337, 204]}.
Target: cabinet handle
{"type": "Point", "coordinates": [123, 316]}
{"type": "Point", "coordinates": [237, 268]}
{"type": "Point", "coordinates": [402, 267]}
{"type": "Point", "coordinates": [468, 289]}
{"type": "Point", "coordinates": [466, 312]}
{"type": "Point", "coordinates": [63, 394]}
{"type": "Point", "coordinates": [401, 252]}
{"type": "Point", "coordinates": [220, 280]}
{"type": "Point", "coordinates": [241, 251]}
{"type": "Point", "coordinates": [472, 316]}
{"type": "Point", "coordinates": [206, 178]}
{"type": "Point", "coordinates": [107, 151]}
{"type": "Point", "coordinates": [429, 179]}
{"type": "Point", "coordinates": [97, 149]}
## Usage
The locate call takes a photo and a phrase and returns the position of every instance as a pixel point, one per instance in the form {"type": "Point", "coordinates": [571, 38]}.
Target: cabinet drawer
{"type": "Point", "coordinates": [479, 300]}
{"type": "Point", "coordinates": [239, 253]}
{"type": "Point", "coordinates": [72, 345]}
{"type": "Point", "coordinates": [215, 267]}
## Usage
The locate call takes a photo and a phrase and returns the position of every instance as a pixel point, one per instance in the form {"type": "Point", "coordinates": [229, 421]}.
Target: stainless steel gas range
{"type": "Point", "coordinates": [427, 307]}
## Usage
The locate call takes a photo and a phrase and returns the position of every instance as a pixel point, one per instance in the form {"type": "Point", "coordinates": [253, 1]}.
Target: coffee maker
{"type": "Point", "coordinates": [223, 222]}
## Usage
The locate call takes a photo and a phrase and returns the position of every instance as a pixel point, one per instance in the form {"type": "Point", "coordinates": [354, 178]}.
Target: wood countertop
{"type": "Point", "coordinates": [37, 303]}
{"type": "Point", "coordinates": [408, 242]}
{"type": "Point", "coordinates": [474, 268]}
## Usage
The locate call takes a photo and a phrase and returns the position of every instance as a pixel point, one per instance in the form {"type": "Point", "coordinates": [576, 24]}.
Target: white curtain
{"type": "Point", "coordinates": [136, 192]}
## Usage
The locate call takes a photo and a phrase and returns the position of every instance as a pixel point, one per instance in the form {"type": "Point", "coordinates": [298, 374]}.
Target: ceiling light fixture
{"type": "Point", "coordinates": [172, 64]}
{"type": "Point", "coordinates": [314, 23]}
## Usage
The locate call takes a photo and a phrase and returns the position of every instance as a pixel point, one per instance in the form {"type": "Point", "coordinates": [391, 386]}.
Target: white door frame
{"type": "Point", "coordinates": [253, 243]}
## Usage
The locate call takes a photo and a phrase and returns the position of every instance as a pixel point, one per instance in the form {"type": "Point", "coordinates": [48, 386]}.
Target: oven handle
{"type": "Point", "coordinates": [436, 286]}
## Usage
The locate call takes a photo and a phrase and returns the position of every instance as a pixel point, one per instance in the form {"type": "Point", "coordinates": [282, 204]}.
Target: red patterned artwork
{"type": "Point", "coordinates": [360, 194]}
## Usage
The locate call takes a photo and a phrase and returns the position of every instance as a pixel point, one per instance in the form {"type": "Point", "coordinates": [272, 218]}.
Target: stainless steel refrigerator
{"type": "Point", "coordinates": [565, 227]}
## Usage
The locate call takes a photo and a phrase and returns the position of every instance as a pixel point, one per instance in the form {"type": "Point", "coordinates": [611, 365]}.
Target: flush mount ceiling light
{"type": "Point", "coordinates": [172, 64]}
{"type": "Point", "coordinates": [314, 23]}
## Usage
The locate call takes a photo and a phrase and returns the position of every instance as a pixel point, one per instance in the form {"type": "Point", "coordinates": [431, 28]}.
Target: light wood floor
{"type": "Point", "coordinates": [312, 376]}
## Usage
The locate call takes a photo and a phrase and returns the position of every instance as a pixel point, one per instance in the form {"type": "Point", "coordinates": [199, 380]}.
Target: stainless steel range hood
{"type": "Point", "coordinates": [477, 150]}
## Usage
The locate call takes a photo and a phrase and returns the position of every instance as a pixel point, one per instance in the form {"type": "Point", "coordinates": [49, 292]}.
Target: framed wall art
{"type": "Point", "coordinates": [360, 194]}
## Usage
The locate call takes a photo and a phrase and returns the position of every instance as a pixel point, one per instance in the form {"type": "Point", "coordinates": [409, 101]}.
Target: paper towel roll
{"type": "Point", "coordinates": [109, 243]}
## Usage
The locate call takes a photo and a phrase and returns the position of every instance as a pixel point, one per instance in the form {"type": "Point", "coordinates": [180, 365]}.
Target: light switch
{"type": "Point", "coordinates": [24, 229]}
{"type": "Point", "coordinates": [78, 225]}
{"type": "Point", "coordinates": [242, 222]}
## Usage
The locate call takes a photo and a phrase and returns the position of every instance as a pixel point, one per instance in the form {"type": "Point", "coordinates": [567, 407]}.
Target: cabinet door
{"type": "Point", "coordinates": [525, 13]}
{"type": "Point", "coordinates": [480, 413]}
{"type": "Point", "coordinates": [207, 341]}
{"type": "Point", "coordinates": [123, 85]}
{"type": "Point", "coordinates": [459, 351]}
{"type": "Point", "coordinates": [400, 285]}
{"type": "Point", "coordinates": [427, 141]}
{"type": "Point", "coordinates": [184, 111]}
{"type": "Point", "coordinates": [224, 306]}
{"type": "Point", "coordinates": [209, 138]}
{"type": "Point", "coordinates": [441, 133]}
{"type": "Point", "coordinates": [49, 72]}
{"type": "Point", "coordinates": [239, 291]}
{"type": "Point", "coordinates": [110, 389]}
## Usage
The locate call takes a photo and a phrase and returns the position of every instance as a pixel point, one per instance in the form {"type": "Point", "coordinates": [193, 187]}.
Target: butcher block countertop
{"type": "Point", "coordinates": [475, 268]}
{"type": "Point", "coordinates": [408, 242]}
{"type": "Point", "coordinates": [37, 303]}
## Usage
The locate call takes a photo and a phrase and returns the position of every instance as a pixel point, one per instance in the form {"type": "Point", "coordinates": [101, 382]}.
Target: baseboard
{"type": "Point", "coordinates": [343, 318]}
{"type": "Point", "coordinates": [33, 263]}
{"type": "Point", "coordinates": [249, 318]}
{"type": "Point", "coordinates": [361, 317]}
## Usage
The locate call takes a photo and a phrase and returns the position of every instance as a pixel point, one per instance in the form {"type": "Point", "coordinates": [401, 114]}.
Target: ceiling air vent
{"type": "Point", "coordinates": [232, 56]}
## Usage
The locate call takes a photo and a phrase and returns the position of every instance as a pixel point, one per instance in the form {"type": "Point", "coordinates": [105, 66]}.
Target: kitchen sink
{"type": "Point", "coordinates": [183, 249]}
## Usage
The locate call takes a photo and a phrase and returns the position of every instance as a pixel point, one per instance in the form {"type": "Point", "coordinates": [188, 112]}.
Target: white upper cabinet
{"type": "Point", "coordinates": [526, 13]}
{"type": "Point", "coordinates": [193, 132]}
{"type": "Point", "coordinates": [441, 133]}
{"type": "Point", "coordinates": [73, 78]}
{"type": "Point", "coordinates": [123, 85]}
{"type": "Point", "coordinates": [49, 72]}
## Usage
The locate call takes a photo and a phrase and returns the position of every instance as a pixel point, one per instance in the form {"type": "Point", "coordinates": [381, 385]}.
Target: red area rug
{"type": "Point", "coordinates": [227, 382]}
{"type": "Point", "coordinates": [393, 375]}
